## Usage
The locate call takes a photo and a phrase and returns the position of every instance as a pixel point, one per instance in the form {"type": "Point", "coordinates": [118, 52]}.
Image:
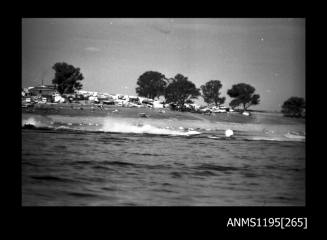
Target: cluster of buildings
{"type": "Point", "coordinates": [39, 94]}
{"type": "Point", "coordinates": [48, 94]}
{"type": "Point", "coordinates": [215, 109]}
{"type": "Point", "coordinates": [44, 94]}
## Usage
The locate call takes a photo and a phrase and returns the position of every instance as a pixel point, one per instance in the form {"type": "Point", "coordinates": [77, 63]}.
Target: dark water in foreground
{"type": "Point", "coordinates": [61, 167]}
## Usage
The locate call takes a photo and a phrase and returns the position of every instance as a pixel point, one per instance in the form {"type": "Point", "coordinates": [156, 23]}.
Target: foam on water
{"type": "Point", "coordinates": [108, 124]}
{"type": "Point", "coordinates": [174, 127]}
{"type": "Point", "coordinates": [30, 121]}
{"type": "Point", "coordinates": [35, 121]}
{"type": "Point", "coordinates": [111, 125]}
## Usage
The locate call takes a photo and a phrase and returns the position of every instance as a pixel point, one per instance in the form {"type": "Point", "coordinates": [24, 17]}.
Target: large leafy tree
{"type": "Point", "coordinates": [243, 95]}
{"type": "Point", "coordinates": [67, 78]}
{"type": "Point", "coordinates": [151, 84]}
{"type": "Point", "coordinates": [211, 94]}
{"type": "Point", "coordinates": [294, 107]}
{"type": "Point", "coordinates": [180, 91]}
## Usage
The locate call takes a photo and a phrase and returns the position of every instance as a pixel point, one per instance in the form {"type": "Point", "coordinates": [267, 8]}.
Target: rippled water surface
{"type": "Point", "coordinates": [62, 167]}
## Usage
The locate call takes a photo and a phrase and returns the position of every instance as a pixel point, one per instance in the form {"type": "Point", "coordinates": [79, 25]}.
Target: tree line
{"type": "Point", "coordinates": [179, 90]}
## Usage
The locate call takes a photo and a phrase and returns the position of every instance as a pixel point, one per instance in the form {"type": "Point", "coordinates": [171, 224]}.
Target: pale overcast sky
{"type": "Point", "coordinates": [112, 53]}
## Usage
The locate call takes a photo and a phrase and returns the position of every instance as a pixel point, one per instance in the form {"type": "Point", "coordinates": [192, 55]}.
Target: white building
{"type": "Point", "coordinates": [157, 104]}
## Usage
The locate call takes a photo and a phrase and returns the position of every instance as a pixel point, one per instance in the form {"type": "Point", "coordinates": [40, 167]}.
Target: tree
{"type": "Point", "coordinates": [294, 107]}
{"type": "Point", "coordinates": [151, 84]}
{"type": "Point", "coordinates": [243, 94]}
{"type": "Point", "coordinates": [210, 92]}
{"type": "Point", "coordinates": [181, 90]}
{"type": "Point", "coordinates": [67, 78]}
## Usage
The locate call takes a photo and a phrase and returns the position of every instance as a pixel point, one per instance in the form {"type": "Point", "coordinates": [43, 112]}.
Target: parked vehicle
{"type": "Point", "coordinates": [205, 110]}
{"type": "Point", "coordinates": [218, 110]}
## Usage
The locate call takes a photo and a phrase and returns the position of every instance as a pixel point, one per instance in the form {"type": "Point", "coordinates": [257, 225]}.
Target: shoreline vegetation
{"type": "Point", "coordinates": [179, 94]}
{"type": "Point", "coordinates": [75, 109]}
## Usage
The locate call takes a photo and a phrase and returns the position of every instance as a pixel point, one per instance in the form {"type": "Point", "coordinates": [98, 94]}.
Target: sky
{"type": "Point", "coordinates": [112, 53]}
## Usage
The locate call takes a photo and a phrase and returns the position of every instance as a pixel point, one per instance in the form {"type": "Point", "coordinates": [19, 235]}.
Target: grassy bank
{"type": "Point", "coordinates": [73, 109]}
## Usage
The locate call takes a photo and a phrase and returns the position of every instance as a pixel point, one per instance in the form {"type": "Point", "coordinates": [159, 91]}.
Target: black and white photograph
{"type": "Point", "coordinates": [163, 112]}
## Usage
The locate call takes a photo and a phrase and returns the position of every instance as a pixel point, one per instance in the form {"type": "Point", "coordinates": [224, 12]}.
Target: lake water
{"type": "Point", "coordinates": [74, 161]}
